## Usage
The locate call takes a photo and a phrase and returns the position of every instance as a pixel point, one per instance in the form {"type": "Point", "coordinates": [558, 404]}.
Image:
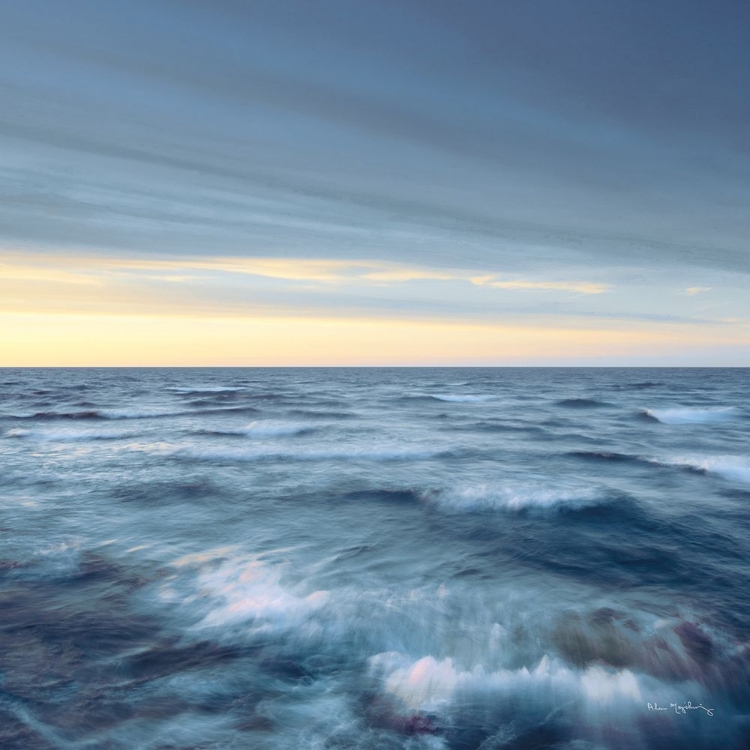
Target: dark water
{"type": "Point", "coordinates": [437, 558]}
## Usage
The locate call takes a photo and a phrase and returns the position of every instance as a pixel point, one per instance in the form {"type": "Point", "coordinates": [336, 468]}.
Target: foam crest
{"type": "Point", "coordinates": [429, 684]}
{"type": "Point", "coordinates": [734, 468]}
{"type": "Point", "coordinates": [693, 415]}
{"type": "Point", "coordinates": [230, 592]}
{"type": "Point", "coordinates": [516, 497]}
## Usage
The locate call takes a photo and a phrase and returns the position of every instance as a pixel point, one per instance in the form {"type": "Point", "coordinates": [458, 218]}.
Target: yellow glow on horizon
{"type": "Point", "coordinates": [78, 310]}
{"type": "Point", "coordinates": [120, 340]}
{"type": "Point", "coordinates": [13, 272]}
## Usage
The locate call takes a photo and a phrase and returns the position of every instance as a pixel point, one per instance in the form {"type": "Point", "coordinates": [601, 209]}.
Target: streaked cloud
{"type": "Point", "coordinates": [403, 163]}
{"type": "Point", "coordinates": [580, 287]}
{"type": "Point", "coordinates": [91, 269]}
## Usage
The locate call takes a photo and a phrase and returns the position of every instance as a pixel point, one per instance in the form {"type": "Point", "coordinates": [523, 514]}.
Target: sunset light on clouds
{"type": "Point", "coordinates": [298, 174]}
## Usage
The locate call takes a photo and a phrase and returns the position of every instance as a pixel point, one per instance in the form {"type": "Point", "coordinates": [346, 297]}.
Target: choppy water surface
{"type": "Point", "coordinates": [437, 558]}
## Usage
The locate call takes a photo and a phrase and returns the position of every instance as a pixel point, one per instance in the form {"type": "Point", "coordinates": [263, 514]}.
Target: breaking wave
{"type": "Point", "coordinates": [687, 415]}
{"type": "Point", "coordinates": [516, 497]}
{"type": "Point", "coordinates": [733, 468]}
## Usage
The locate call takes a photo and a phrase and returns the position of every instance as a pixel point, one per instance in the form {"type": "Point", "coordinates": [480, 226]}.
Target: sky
{"type": "Point", "coordinates": [406, 182]}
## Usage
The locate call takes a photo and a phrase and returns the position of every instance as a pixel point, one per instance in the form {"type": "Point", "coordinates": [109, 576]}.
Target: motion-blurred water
{"type": "Point", "coordinates": [374, 558]}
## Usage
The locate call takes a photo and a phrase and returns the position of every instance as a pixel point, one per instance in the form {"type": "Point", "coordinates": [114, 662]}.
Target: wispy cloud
{"type": "Point", "coordinates": [88, 269]}
{"type": "Point", "coordinates": [579, 287]}
{"type": "Point", "coordinates": [692, 290]}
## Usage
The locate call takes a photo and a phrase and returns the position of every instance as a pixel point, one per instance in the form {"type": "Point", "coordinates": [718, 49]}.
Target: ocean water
{"type": "Point", "coordinates": [375, 558]}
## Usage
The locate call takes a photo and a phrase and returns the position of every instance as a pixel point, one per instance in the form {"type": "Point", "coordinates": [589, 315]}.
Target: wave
{"type": "Point", "coordinates": [605, 456]}
{"type": "Point", "coordinates": [53, 561]}
{"type": "Point", "coordinates": [226, 592]}
{"type": "Point", "coordinates": [388, 496]}
{"type": "Point", "coordinates": [50, 415]}
{"type": "Point", "coordinates": [604, 661]}
{"type": "Point", "coordinates": [69, 436]}
{"type": "Point", "coordinates": [223, 410]}
{"type": "Point", "coordinates": [138, 414]}
{"type": "Point", "coordinates": [736, 468]}
{"type": "Point", "coordinates": [193, 489]}
{"type": "Point", "coordinates": [453, 398]}
{"type": "Point", "coordinates": [432, 685]}
{"type": "Point", "coordinates": [115, 414]}
{"type": "Point", "coordinates": [261, 430]}
{"type": "Point", "coordinates": [582, 403]}
{"type": "Point", "coordinates": [520, 497]}
{"type": "Point", "coordinates": [488, 426]}
{"type": "Point", "coordinates": [195, 390]}
{"type": "Point", "coordinates": [321, 414]}
{"type": "Point", "coordinates": [688, 415]}
{"type": "Point", "coordinates": [638, 386]}
{"type": "Point", "coordinates": [733, 468]}
{"type": "Point", "coordinates": [462, 666]}
{"type": "Point", "coordinates": [332, 454]}
{"type": "Point", "coordinates": [461, 398]}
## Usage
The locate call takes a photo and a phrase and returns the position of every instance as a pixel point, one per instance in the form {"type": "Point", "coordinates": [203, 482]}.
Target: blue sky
{"type": "Point", "coordinates": [578, 165]}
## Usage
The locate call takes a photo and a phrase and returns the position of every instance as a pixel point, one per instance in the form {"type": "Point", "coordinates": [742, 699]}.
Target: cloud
{"type": "Point", "coordinates": [91, 269]}
{"type": "Point", "coordinates": [285, 159]}
{"type": "Point", "coordinates": [485, 145]}
{"type": "Point", "coordinates": [580, 287]}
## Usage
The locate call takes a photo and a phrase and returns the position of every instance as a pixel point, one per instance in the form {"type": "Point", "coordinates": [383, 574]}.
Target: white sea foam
{"type": "Point", "coordinates": [233, 591]}
{"type": "Point", "coordinates": [17, 432]}
{"type": "Point", "coordinates": [429, 684]}
{"type": "Point", "coordinates": [687, 415]}
{"type": "Point", "coordinates": [734, 468]}
{"type": "Point", "coordinates": [515, 497]}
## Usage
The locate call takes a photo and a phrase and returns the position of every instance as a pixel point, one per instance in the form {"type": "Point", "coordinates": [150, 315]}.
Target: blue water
{"type": "Point", "coordinates": [375, 558]}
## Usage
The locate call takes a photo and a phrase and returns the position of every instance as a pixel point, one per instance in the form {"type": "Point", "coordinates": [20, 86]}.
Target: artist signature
{"type": "Point", "coordinates": [679, 708]}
